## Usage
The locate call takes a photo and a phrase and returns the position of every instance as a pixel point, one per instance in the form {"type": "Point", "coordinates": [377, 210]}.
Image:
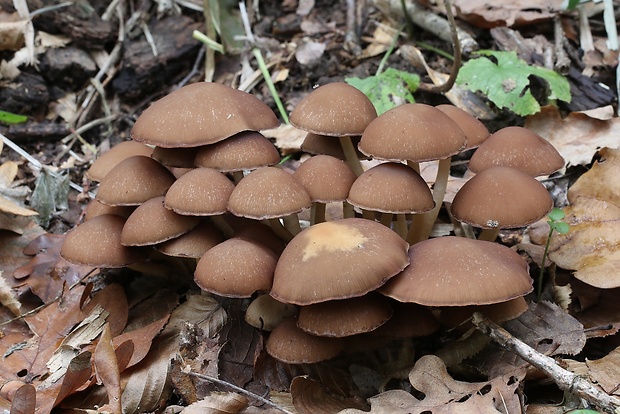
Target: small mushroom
{"type": "Point", "coordinates": [499, 198]}
{"type": "Point", "coordinates": [110, 159]}
{"type": "Point", "coordinates": [338, 110]}
{"type": "Point", "coordinates": [266, 313]}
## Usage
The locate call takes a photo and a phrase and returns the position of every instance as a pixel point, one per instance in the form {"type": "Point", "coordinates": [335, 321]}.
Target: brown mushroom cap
{"type": "Point", "coordinates": [391, 188]}
{"type": "Point", "coordinates": [97, 242]}
{"type": "Point", "coordinates": [152, 223]}
{"type": "Point", "coordinates": [501, 197]}
{"type": "Point", "coordinates": [455, 271]}
{"type": "Point", "coordinates": [194, 243]}
{"type": "Point", "coordinates": [268, 192]}
{"type": "Point", "coordinates": [94, 208]}
{"type": "Point", "coordinates": [266, 313]}
{"type": "Point", "coordinates": [414, 132]}
{"type": "Point", "coordinates": [519, 148]}
{"type": "Point", "coordinates": [453, 316]}
{"type": "Point", "coordinates": [474, 130]}
{"type": "Point", "coordinates": [316, 171]}
{"type": "Point", "coordinates": [236, 268]}
{"type": "Point", "coordinates": [110, 159]}
{"type": "Point", "coordinates": [199, 114]}
{"type": "Point", "coordinates": [337, 260]}
{"type": "Point", "coordinates": [134, 181]}
{"type": "Point", "coordinates": [244, 151]}
{"type": "Point", "coordinates": [335, 109]}
{"type": "Point", "coordinates": [339, 318]}
{"type": "Point", "coordinates": [289, 344]}
{"type": "Point", "coordinates": [200, 192]}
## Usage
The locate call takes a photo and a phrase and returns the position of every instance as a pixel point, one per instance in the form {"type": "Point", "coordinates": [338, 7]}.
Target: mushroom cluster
{"type": "Point", "coordinates": [200, 181]}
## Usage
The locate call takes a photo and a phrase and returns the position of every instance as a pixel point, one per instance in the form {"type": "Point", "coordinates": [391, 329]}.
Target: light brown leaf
{"type": "Point", "coordinates": [310, 397]}
{"type": "Point", "coordinates": [141, 339]}
{"type": "Point", "coordinates": [218, 403]}
{"type": "Point", "coordinates": [578, 136]}
{"type": "Point", "coordinates": [602, 181]}
{"type": "Point", "coordinates": [486, 13]}
{"type": "Point", "coordinates": [606, 372]}
{"type": "Point", "coordinates": [22, 396]}
{"type": "Point", "coordinates": [107, 370]}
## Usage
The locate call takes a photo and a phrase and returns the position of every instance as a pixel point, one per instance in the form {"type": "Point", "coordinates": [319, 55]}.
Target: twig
{"type": "Point", "coordinates": [429, 21]}
{"type": "Point", "coordinates": [456, 50]}
{"type": "Point", "coordinates": [240, 390]}
{"type": "Point", "coordinates": [564, 379]}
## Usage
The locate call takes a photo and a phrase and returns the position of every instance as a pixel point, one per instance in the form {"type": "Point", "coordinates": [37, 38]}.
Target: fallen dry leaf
{"type": "Point", "coordinates": [437, 392]}
{"type": "Point", "coordinates": [47, 272]}
{"type": "Point", "coordinates": [12, 197]}
{"type": "Point", "coordinates": [487, 14]}
{"type": "Point", "coordinates": [606, 372]}
{"type": "Point", "coordinates": [107, 370]}
{"type": "Point", "coordinates": [310, 397]}
{"type": "Point", "coordinates": [592, 245]}
{"type": "Point", "coordinates": [218, 403]}
{"type": "Point", "coordinates": [578, 136]}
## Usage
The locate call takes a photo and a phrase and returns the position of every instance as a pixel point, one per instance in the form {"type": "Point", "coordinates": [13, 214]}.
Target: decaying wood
{"type": "Point", "coordinates": [427, 20]}
{"type": "Point", "coordinates": [27, 94]}
{"type": "Point", "coordinates": [564, 379]}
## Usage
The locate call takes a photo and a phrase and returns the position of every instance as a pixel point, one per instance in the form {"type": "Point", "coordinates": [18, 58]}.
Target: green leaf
{"type": "Point", "coordinates": [572, 4]}
{"type": "Point", "coordinates": [559, 227]}
{"type": "Point", "coordinates": [556, 214]}
{"type": "Point", "coordinates": [386, 89]}
{"type": "Point", "coordinates": [51, 193]}
{"type": "Point", "coordinates": [10, 118]}
{"type": "Point", "coordinates": [506, 83]}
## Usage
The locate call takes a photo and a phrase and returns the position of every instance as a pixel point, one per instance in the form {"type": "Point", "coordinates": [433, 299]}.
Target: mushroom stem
{"type": "Point", "coordinates": [279, 229]}
{"type": "Point", "coordinates": [221, 223]}
{"type": "Point", "coordinates": [347, 210]}
{"type": "Point", "coordinates": [237, 176]}
{"type": "Point", "coordinates": [291, 223]}
{"type": "Point", "coordinates": [401, 225]}
{"type": "Point", "coordinates": [350, 155]}
{"type": "Point", "coordinates": [317, 213]}
{"type": "Point", "coordinates": [489, 234]}
{"type": "Point", "coordinates": [386, 219]}
{"type": "Point", "coordinates": [422, 224]}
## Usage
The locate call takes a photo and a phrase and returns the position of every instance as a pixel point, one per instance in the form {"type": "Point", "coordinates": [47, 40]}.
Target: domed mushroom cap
{"type": "Point", "coordinates": [289, 344]}
{"type": "Point", "coordinates": [391, 188]}
{"type": "Point", "coordinates": [474, 130]}
{"type": "Point", "coordinates": [268, 192]}
{"type": "Point", "coordinates": [244, 151]}
{"type": "Point", "coordinates": [519, 148]}
{"type": "Point", "coordinates": [501, 197]}
{"type": "Point", "coordinates": [335, 109]}
{"type": "Point", "coordinates": [194, 243]}
{"type": "Point", "coordinates": [199, 114]}
{"type": "Point", "coordinates": [152, 223]}
{"type": "Point", "coordinates": [414, 132]}
{"type": "Point", "coordinates": [200, 192]}
{"type": "Point", "coordinates": [316, 171]}
{"type": "Point", "coordinates": [94, 208]}
{"type": "Point", "coordinates": [339, 318]}
{"type": "Point", "coordinates": [337, 260]}
{"type": "Point", "coordinates": [134, 181]}
{"type": "Point", "coordinates": [236, 268]}
{"type": "Point", "coordinates": [110, 159]}
{"type": "Point", "coordinates": [97, 242]}
{"type": "Point", "coordinates": [455, 271]}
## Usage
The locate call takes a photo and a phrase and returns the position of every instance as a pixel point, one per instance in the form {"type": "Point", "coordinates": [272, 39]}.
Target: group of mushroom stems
{"type": "Point", "coordinates": [200, 182]}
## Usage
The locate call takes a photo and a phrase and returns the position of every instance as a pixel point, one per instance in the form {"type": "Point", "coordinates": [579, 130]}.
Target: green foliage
{"type": "Point", "coordinates": [387, 88]}
{"type": "Point", "coordinates": [506, 83]}
{"type": "Point", "coordinates": [572, 4]}
{"type": "Point", "coordinates": [51, 193]}
{"type": "Point", "coordinates": [10, 118]}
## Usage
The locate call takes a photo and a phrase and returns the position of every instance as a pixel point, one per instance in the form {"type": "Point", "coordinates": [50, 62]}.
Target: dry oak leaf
{"type": "Point", "coordinates": [592, 245]}
{"type": "Point", "coordinates": [606, 372]}
{"type": "Point", "coordinates": [578, 136]}
{"type": "Point", "coordinates": [218, 403]}
{"type": "Point", "coordinates": [438, 393]}
{"type": "Point", "coordinates": [46, 272]}
{"type": "Point", "coordinates": [11, 196]}
{"type": "Point", "coordinates": [487, 13]}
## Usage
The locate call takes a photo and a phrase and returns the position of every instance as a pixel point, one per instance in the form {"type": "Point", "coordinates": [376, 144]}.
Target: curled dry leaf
{"type": "Point", "coordinates": [107, 369]}
{"type": "Point", "coordinates": [438, 393]}
{"type": "Point", "coordinates": [592, 245]}
{"type": "Point", "coordinates": [487, 14]}
{"type": "Point", "coordinates": [218, 403]}
{"type": "Point", "coordinates": [578, 136]}
{"type": "Point", "coordinates": [606, 372]}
